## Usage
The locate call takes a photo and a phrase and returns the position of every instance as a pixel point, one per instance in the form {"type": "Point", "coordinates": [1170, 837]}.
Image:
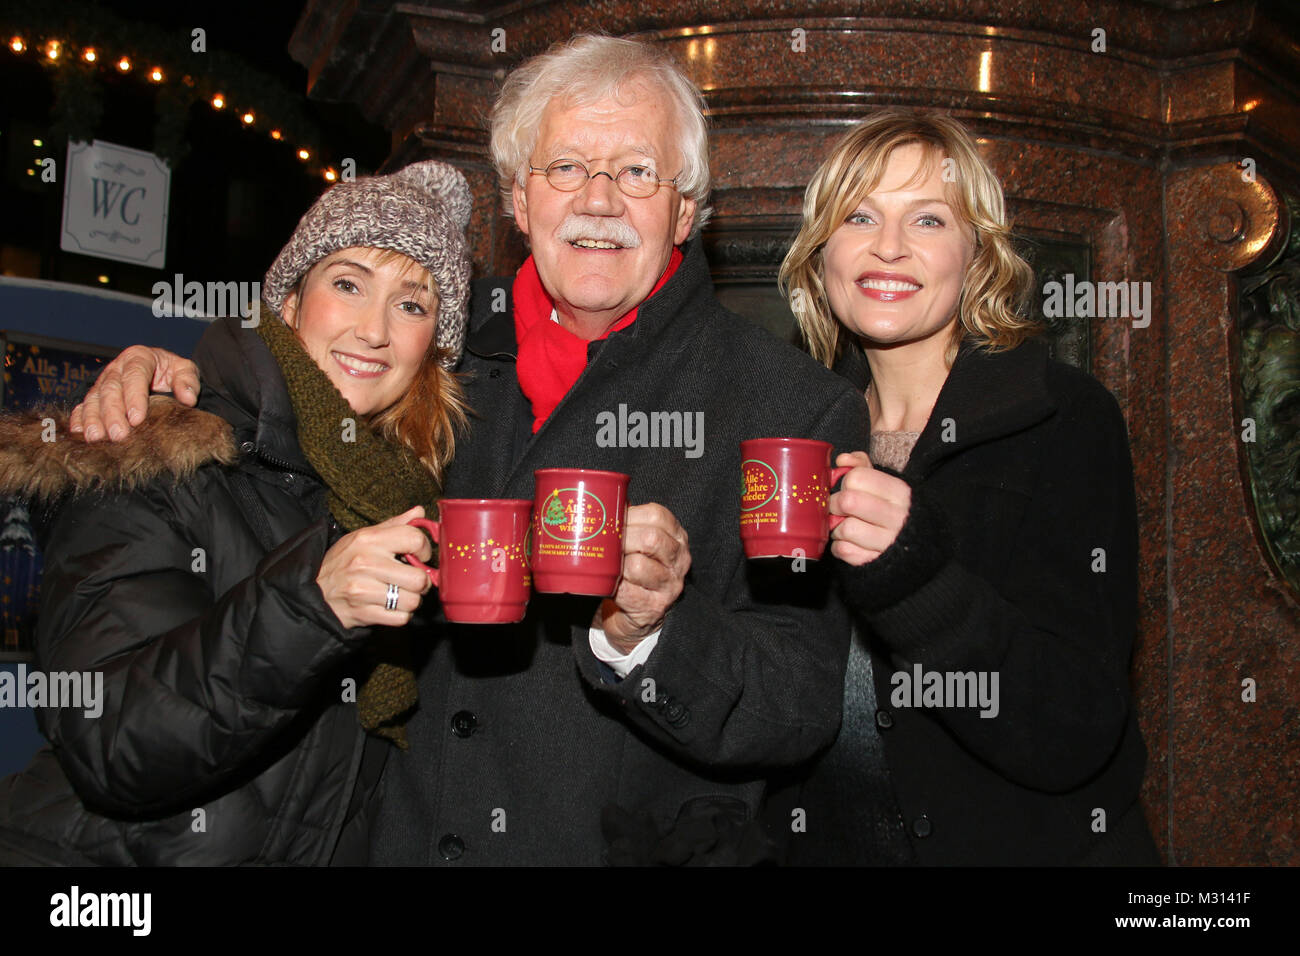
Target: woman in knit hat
{"type": "Point", "coordinates": [225, 587]}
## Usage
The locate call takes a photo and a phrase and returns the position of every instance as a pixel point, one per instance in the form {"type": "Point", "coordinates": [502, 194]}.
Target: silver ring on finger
{"type": "Point", "coordinates": [390, 602]}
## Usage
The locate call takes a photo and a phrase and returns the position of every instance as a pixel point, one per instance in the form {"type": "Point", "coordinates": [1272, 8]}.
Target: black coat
{"type": "Point", "coordinates": [1021, 480]}
{"type": "Point", "coordinates": [522, 740]}
{"type": "Point", "coordinates": [222, 670]}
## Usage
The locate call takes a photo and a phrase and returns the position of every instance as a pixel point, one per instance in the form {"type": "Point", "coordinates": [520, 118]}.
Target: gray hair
{"type": "Point", "coordinates": [588, 68]}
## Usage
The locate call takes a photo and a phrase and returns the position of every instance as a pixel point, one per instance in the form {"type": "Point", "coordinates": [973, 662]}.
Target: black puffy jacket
{"type": "Point", "coordinates": [227, 734]}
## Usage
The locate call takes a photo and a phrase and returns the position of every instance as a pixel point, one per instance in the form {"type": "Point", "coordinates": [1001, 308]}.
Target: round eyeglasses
{"type": "Point", "coordinates": [569, 175]}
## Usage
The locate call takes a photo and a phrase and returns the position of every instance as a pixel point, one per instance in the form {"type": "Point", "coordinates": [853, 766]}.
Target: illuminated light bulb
{"type": "Point", "coordinates": [276, 134]}
{"type": "Point", "coordinates": [53, 49]}
{"type": "Point", "coordinates": [247, 118]}
{"type": "Point", "coordinates": [103, 279]}
{"type": "Point", "coordinates": [124, 65]}
{"type": "Point", "coordinates": [38, 142]}
{"type": "Point", "coordinates": [330, 175]}
{"type": "Point", "coordinates": [218, 102]}
{"type": "Point", "coordinates": [31, 172]}
{"type": "Point", "coordinates": [17, 45]}
{"type": "Point", "coordinates": [156, 75]}
{"type": "Point", "coordinates": [90, 56]}
{"type": "Point", "coordinates": [304, 155]}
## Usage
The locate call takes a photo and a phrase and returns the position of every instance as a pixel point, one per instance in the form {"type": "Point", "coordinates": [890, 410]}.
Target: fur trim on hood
{"type": "Point", "coordinates": [41, 458]}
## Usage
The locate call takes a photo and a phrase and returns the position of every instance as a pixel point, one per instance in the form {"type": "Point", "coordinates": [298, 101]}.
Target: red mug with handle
{"type": "Point", "coordinates": [784, 497]}
{"type": "Point", "coordinates": [578, 520]}
{"type": "Point", "coordinates": [483, 574]}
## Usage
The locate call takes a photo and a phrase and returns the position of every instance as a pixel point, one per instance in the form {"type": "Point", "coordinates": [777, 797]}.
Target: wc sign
{"type": "Point", "coordinates": [115, 203]}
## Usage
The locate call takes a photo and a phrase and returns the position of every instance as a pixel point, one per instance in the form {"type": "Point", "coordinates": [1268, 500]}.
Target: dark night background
{"type": "Point", "coordinates": [235, 196]}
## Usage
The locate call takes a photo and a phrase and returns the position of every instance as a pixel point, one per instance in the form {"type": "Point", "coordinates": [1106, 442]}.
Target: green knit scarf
{"type": "Point", "coordinates": [369, 480]}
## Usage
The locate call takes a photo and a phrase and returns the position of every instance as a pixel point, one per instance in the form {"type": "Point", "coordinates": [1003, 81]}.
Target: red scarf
{"type": "Point", "coordinates": [551, 358]}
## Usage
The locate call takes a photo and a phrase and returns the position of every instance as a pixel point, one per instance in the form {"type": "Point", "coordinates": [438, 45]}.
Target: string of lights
{"type": "Point", "coordinates": [187, 87]}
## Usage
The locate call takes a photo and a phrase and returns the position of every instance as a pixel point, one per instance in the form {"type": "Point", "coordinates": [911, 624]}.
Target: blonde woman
{"type": "Point", "coordinates": [990, 543]}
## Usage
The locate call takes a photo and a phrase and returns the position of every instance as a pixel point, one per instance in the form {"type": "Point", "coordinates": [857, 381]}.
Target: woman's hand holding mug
{"type": "Point", "coordinates": [875, 507]}
{"type": "Point", "coordinates": [361, 570]}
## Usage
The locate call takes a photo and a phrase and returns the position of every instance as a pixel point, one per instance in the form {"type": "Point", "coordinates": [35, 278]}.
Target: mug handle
{"type": "Point", "coordinates": [836, 475]}
{"type": "Point", "coordinates": [430, 526]}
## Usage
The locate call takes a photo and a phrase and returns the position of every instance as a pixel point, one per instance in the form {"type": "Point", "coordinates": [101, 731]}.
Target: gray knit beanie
{"type": "Point", "coordinates": [420, 211]}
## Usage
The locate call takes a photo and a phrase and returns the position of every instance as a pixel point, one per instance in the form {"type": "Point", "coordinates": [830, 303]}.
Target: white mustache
{"type": "Point", "coordinates": [577, 227]}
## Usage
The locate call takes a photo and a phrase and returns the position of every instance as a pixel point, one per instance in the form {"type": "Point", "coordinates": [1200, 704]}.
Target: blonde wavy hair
{"type": "Point", "coordinates": [997, 283]}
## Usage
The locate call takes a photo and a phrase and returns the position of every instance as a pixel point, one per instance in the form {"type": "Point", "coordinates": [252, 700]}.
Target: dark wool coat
{"type": "Point", "coordinates": [522, 740]}
{"type": "Point", "coordinates": [1021, 480]}
{"type": "Point", "coordinates": [223, 682]}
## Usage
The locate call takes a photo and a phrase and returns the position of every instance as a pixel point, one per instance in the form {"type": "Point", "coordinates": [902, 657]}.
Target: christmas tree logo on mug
{"type": "Point", "coordinates": [573, 514]}
{"type": "Point", "coordinates": [578, 516]}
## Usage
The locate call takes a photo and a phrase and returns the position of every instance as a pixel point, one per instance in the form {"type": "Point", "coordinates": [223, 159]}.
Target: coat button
{"type": "Point", "coordinates": [463, 723]}
{"type": "Point", "coordinates": [676, 714]}
{"type": "Point", "coordinates": [922, 826]}
{"type": "Point", "coordinates": [451, 847]}
{"type": "Point", "coordinates": [884, 719]}
{"type": "Point", "coordinates": [288, 478]}
{"type": "Point", "coordinates": [248, 448]}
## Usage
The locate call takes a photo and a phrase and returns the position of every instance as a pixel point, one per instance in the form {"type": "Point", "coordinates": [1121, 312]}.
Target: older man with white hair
{"type": "Point", "coordinates": [640, 728]}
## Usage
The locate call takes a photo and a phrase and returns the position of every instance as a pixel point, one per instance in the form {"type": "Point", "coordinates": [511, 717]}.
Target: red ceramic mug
{"type": "Point", "coordinates": [578, 520]}
{"type": "Point", "coordinates": [783, 504]}
{"type": "Point", "coordinates": [482, 575]}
